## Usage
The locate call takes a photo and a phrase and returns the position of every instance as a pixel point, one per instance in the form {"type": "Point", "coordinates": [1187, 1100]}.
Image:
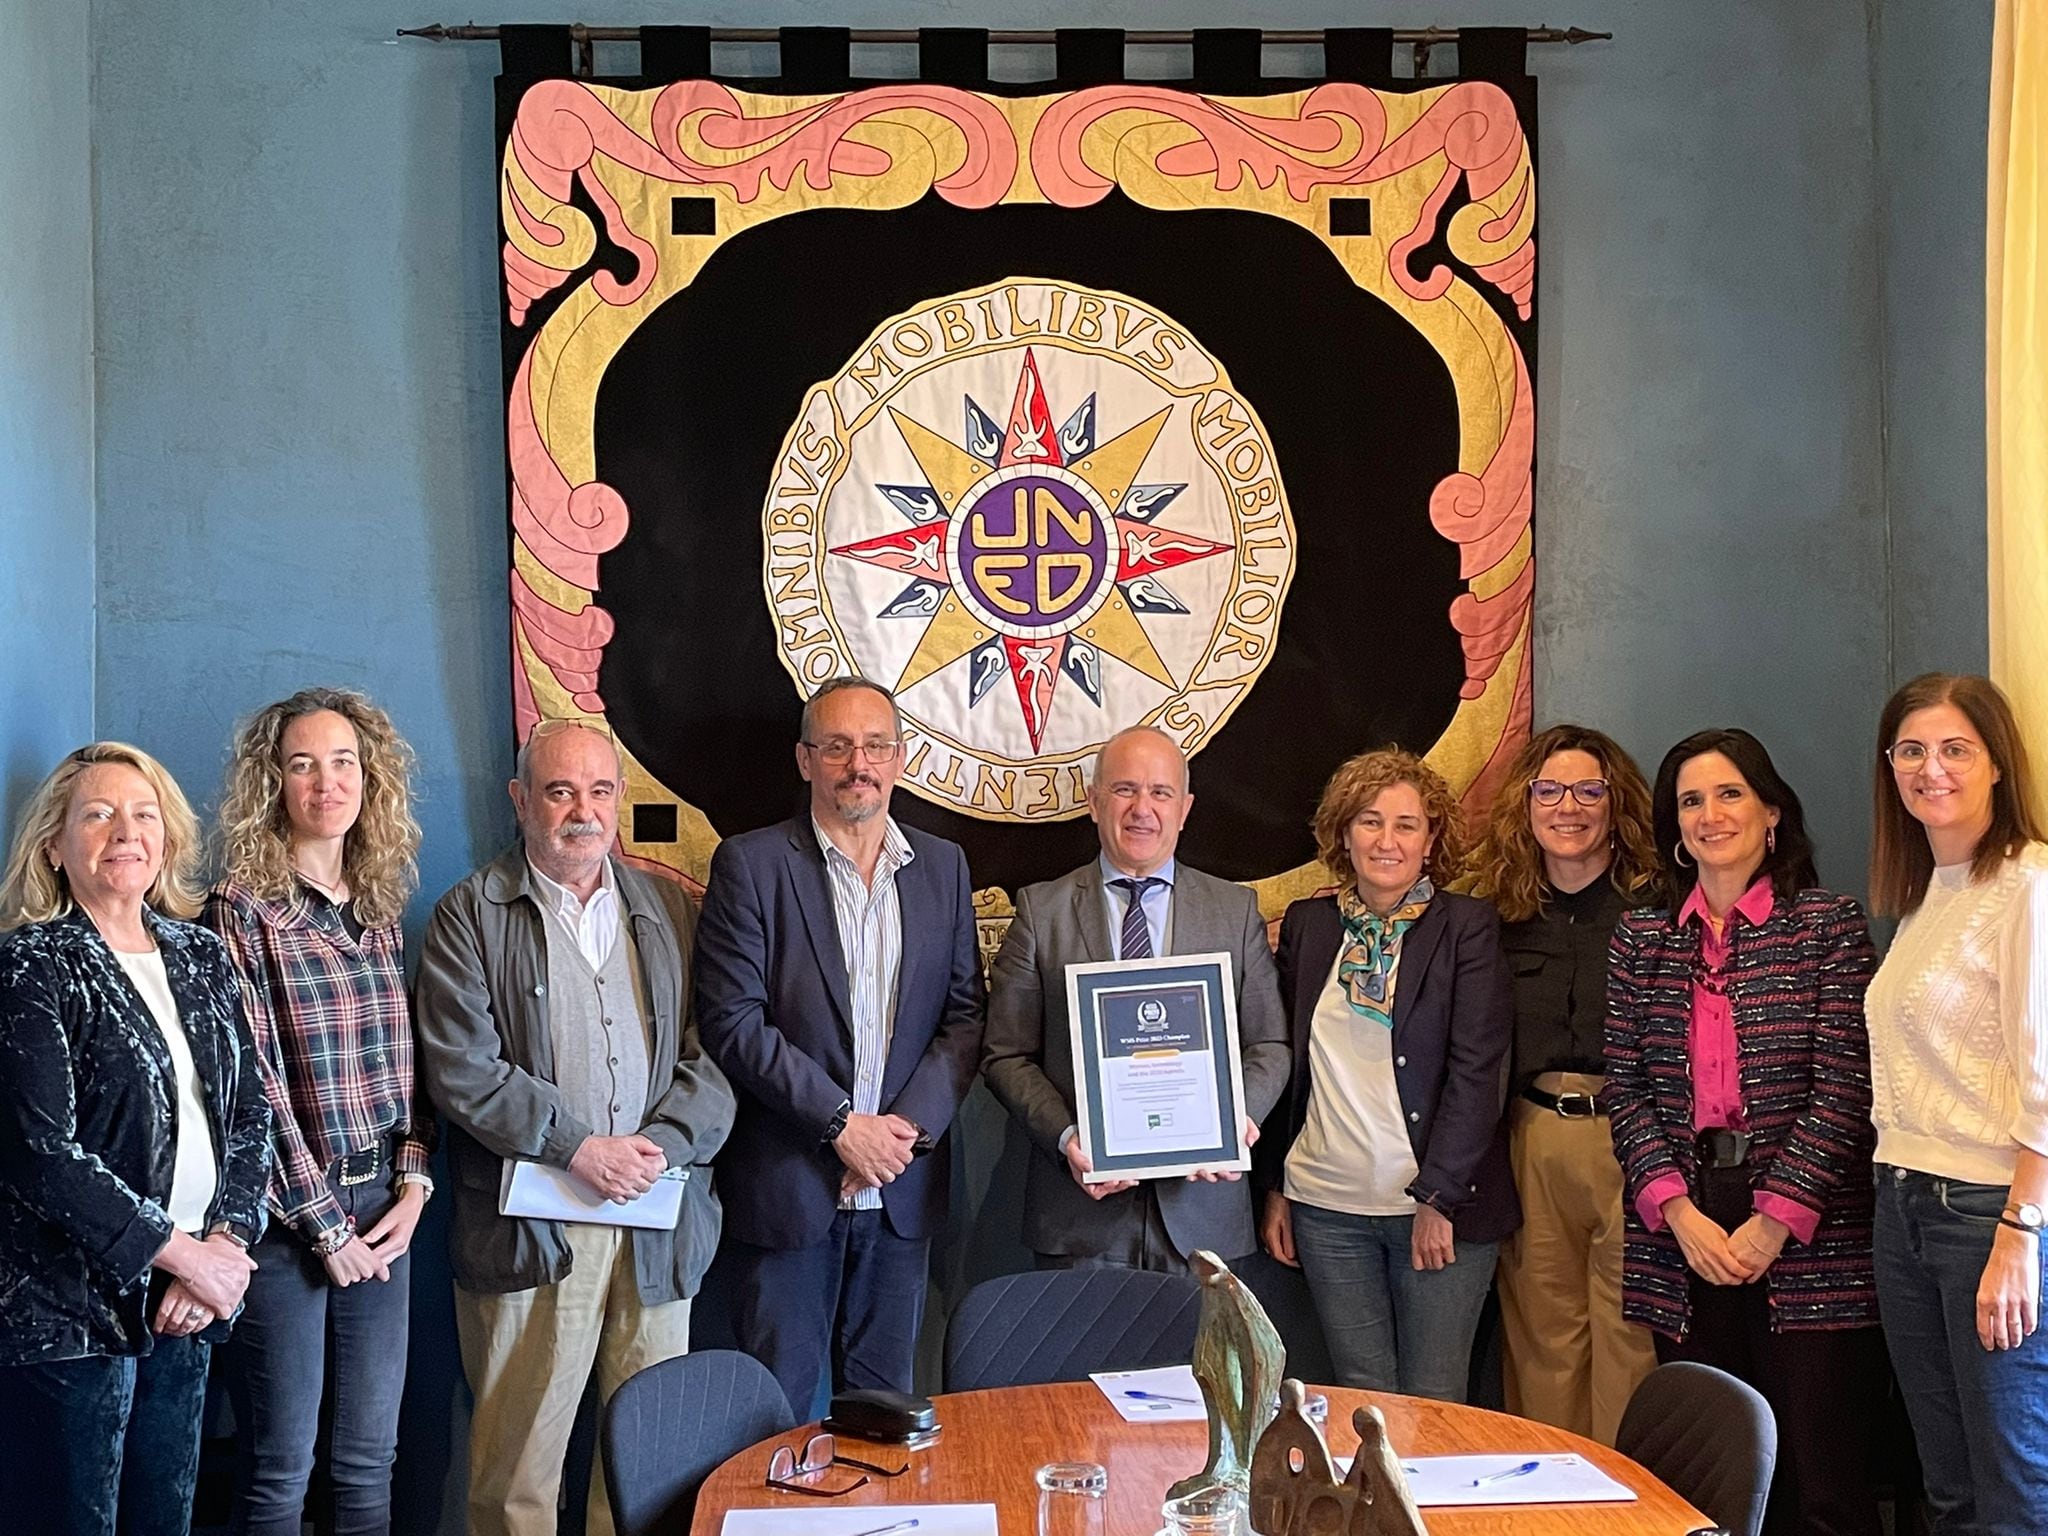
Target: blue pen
{"type": "Point", "coordinates": [889, 1530]}
{"type": "Point", "coordinates": [1505, 1473]}
{"type": "Point", "coordinates": [1162, 1397]}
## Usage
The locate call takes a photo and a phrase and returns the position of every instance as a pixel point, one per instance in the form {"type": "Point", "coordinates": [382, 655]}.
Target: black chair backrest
{"type": "Point", "coordinates": [1060, 1324]}
{"type": "Point", "coordinates": [1707, 1436]}
{"type": "Point", "coordinates": [669, 1426]}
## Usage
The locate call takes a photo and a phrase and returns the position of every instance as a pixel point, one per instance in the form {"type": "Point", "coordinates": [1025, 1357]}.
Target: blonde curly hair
{"type": "Point", "coordinates": [1358, 783]}
{"type": "Point", "coordinates": [32, 891]}
{"type": "Point", "coordinates": [1510, 863]}
{"type": "Point", "coordinates": [378, 855]}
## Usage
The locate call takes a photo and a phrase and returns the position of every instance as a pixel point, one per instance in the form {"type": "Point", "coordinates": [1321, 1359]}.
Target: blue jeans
{"type": "Point", "coordinates": [1980, 1416]}
{"type": "Point", "coordinates": [300, 1338]}
{"type": "Point", "coordinates": [103, 1446]}
{"type": "Point", "coordinates": [1390, 1326]}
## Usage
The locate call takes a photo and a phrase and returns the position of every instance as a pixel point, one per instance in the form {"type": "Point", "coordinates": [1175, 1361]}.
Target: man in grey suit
{"type": "Point", "coordinates": [1133, 901]}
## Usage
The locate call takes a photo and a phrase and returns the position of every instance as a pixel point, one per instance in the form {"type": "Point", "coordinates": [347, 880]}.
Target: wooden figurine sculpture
{"type": "Point", "coordinates": [1295, 1489]}
{"type": "Point", "coordinates": [1237, 1363]}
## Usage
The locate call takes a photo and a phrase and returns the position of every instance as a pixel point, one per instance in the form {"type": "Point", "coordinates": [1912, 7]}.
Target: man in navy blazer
{"type": "Point", "coordinates": [839, 988]}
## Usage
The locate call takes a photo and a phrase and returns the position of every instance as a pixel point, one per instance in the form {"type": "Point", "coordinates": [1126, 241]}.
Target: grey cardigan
{"type": "Point", "coordinates": [487, 1059]}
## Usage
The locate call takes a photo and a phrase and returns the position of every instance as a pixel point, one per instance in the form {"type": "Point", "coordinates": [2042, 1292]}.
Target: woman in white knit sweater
{"type": "Point", "coordinates": [1958, 1021]}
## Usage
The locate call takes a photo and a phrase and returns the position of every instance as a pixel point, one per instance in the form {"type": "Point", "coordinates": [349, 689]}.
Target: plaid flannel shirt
{"type": "Point", "coordinates": [333, 1040]}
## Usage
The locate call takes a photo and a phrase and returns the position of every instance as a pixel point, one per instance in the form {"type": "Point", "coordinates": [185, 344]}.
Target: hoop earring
{"type": "Point", "coordinates": [1770, 840]}
{"type": "Point", "coordinates": [1678, 855]}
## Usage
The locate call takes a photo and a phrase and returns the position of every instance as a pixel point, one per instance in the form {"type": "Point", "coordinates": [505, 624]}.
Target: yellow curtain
{"type": "Point", "coordinates": [2016, 361]}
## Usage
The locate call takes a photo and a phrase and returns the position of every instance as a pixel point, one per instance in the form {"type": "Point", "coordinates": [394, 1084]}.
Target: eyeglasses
{"type": "Point", "coordinates": [820, 1453]}
{"type": "Point", "coordinates": [1956, 754]}
{"type": "Point", "coordinates": [1551, 791]}
{"type": "Point", "coordinates": [838, 750]}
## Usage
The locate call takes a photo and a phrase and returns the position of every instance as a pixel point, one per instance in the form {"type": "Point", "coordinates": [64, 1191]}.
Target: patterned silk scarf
{"type": "Point", "coordinates": [1373, 945]}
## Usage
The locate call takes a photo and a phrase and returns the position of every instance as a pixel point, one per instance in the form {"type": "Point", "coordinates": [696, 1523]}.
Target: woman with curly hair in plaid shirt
{"type": "Point", "coordinates": [319, 845]}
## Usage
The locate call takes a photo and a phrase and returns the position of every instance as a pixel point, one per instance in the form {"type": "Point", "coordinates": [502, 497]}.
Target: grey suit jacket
{"type": "Point", "coordinates": [1027, 1054]}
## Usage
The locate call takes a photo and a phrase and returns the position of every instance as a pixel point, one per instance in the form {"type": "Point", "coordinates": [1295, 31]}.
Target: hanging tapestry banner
{"type": "Point", "coordinates": [1056, 413]}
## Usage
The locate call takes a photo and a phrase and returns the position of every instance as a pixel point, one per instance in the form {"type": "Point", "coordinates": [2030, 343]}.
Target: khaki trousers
{"type": "Point", "coordinates": [1570, 1359]}
{"type": "Point", "coordinates": [528, 1356]}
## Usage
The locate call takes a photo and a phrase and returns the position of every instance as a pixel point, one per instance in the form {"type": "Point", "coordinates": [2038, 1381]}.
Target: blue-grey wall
{"type": "Point", "coordinates": [1932, 81]}
{"type": "Point", "coordinates": [46, 419]}
{"type": "Point", "coordinates": [1760, 483]}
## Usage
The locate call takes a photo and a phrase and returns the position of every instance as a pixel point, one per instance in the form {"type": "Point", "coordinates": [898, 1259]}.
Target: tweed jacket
{"type": "Point", "coordinates": [487, 1056]}
{"type": "Point", "coordinates": [89, 1127]}
{"type": "Point", "coordinates": [1795, 985]}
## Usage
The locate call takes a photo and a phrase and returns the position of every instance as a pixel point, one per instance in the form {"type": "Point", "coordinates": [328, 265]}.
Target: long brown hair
{"type": "Point", "coordinates": [1510, 861]}
{"type": "Point", "coordinates": [255, 831]}
{"type": "Point", "coordinates": [1901, 858]}
{"type": "Point", "coordinates": [1358, 783]}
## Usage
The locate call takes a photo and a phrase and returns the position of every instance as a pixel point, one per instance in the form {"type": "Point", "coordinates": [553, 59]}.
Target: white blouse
{"type": "Point", "coordinates": [1958, 1018]}
{"type": "Point", "coordinates": [193, 1175]}
{"type": "Point", "coordinates": [1353, 1153]}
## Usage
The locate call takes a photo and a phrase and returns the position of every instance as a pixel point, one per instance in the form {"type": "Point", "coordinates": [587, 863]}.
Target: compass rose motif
{"type": "Point", "coordinates": [1032, 550]}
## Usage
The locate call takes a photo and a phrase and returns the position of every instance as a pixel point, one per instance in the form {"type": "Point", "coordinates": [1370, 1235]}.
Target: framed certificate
{"type": "Point", "coordinates": [1158, 1086]}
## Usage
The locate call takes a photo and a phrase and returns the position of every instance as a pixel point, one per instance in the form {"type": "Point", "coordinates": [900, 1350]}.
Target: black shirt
{"type": "Point", "coordinates": [1559, 961]}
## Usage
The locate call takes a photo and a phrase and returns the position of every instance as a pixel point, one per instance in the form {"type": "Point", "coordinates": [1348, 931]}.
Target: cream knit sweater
{"type": "Point", "coordinates": [1958, 1018]}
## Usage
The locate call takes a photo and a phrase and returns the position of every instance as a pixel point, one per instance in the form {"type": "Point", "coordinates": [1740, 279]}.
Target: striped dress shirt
{"type": "Point", "coordinates": [870, 923]}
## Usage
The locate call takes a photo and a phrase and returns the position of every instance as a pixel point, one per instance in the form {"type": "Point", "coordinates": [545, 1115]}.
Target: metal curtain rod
{"type": "Point", "coordinates": [1426, 37]}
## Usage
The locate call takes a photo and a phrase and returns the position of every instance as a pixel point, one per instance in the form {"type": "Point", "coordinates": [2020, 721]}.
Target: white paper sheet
{"type": "Point", "coordinates": [555, 1194]}
{"type": "Point", "coordinates": [1558, 1478]}
{"type": "Point", "coordinates": [864, 1520]}
{"type": "Point", "coordinates": [1166, 1394]}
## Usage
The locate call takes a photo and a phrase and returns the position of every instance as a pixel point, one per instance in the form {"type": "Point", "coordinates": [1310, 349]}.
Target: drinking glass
{"type": "Point", "coordinates": [1070, 1498]}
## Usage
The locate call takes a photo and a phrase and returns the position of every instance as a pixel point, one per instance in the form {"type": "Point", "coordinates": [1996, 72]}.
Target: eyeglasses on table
{"type": "Point", "coordinates": [820, 1454]}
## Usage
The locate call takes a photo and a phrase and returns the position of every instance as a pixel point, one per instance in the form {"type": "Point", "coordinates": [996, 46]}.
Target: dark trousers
{"type": "Point", "coordinates": [845, 1310]}
{"type": "Point", "coordinates": [1826, 1387]}
{"type": "Point", "coordinates": [1138, 1240]}
{"type": "Point", "coordinates": [104, 1446]}
{"type": "Point", "coordinates": [1980, 1416]}
{"type": "Point", "coordinates": [301, 1339]}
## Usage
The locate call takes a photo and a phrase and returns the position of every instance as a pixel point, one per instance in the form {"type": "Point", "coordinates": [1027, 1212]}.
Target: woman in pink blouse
{"type": "Point", "coordinates": [1738, 1091]}
{"type": "Point", "coordinates": [319, 853]}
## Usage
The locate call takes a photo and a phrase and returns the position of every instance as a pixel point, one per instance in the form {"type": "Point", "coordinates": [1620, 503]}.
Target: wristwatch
{"type": "Point", "coordinates": [838, 1122]}
{"type": "Point", "coordinates": [2024, 1217]}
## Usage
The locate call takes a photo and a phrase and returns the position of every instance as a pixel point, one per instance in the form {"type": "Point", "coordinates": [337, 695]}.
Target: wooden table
{"type": "Point", "coordinates": [993, 1441]}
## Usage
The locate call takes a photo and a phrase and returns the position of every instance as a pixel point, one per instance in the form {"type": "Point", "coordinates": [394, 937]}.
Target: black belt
{"type": "Point", "coordinates": [1720, 1147]}
{"type": "Point", "coordinates": [360, 1167]}
{"type": "Point", "coordinates": [1571, 1106]}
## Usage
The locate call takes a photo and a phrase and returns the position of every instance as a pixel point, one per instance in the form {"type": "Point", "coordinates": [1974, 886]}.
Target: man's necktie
{"type": "Point", "coordinates": [1136, 940]}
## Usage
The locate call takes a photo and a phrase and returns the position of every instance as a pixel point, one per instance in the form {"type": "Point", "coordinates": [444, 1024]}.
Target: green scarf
{"type": "Point", "coordinates": [1373, 947]}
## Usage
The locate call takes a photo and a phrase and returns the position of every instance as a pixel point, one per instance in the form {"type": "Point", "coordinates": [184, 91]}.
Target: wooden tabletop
{"type": "Point", "coordinates": [993, 1441]}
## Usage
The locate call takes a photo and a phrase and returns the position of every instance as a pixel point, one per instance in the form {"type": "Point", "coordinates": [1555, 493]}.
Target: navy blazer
{"type": "Point", "coordinates": [1453, 1021]}
{"type": "Point", "coordinates": [89, 1130]}
{"type": "Point", "coordinates": [773, 1011]}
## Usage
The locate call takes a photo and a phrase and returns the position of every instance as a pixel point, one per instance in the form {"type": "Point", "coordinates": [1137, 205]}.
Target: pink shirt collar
{"type": "Point", "coordinates": [1754, 904]}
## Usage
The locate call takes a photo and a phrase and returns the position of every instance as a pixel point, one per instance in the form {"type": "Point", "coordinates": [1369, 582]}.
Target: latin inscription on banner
{"type": "Point", "coordinates": [1040, 513]}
